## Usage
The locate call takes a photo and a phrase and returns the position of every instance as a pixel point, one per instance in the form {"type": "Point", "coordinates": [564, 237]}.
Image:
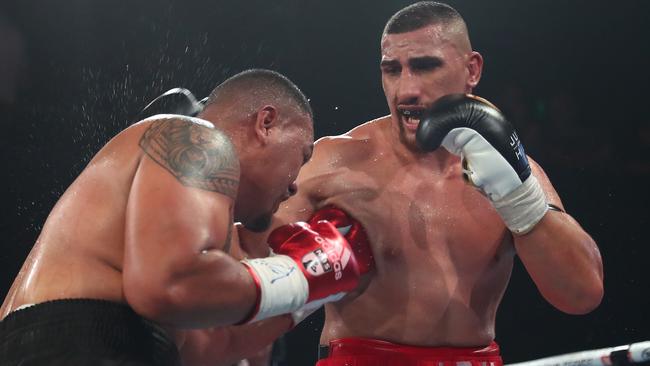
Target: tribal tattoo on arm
{"type": "Point", "coordinates": [197, 155]}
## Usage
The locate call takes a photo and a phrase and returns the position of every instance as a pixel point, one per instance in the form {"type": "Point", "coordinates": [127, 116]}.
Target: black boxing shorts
{"type": "Point", "coordinates": [374, 352]}
{"type": "Point", "coordinates": [83, 332]}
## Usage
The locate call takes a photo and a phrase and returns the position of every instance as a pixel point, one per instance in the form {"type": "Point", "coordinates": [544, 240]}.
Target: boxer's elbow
{"type": "Point", "coordinates": [163, 302]}
{"type": "Point", "coordinates": [582, 300]}
{"type": "Point", "coordinates": [150, 299]}
{"type": "Point", "coordinates": [592, 297]}
{"type": "Point", "coordinates": [589, 292]}
{"type": "Point", "coordinates": [155, 296]}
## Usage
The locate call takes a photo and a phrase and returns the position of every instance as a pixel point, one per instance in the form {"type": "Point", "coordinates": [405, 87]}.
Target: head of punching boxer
{"type": "Point", "coordinates": [270, 123]}
{"type": "Point", "coordinates": [425, 54]}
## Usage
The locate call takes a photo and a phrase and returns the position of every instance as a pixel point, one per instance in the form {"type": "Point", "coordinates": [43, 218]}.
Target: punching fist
{"type": "Point", "coordinates": [312, 263]}
{"type": "Point", "coordinates": [174, 101]}
{"type": "Point", "coordinates": [353, 232]}
{"type": "Point", "coordinates": [356, 235]}
{"type": "Point", "coordinates": [493, 158]}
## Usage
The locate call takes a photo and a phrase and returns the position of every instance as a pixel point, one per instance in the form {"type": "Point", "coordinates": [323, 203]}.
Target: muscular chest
{"type": "Point", "coordinates": [415, 216]}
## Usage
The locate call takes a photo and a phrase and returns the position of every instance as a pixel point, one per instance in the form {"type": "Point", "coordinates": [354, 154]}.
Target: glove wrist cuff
{"type": "Point", "coordinates": [282, 287]}
{"type": "Point", "coordinates": [524, 207]}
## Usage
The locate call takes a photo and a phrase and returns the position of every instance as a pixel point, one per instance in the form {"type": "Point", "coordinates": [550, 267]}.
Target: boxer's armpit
{"type": "Point", "coordinates": [198, 156]}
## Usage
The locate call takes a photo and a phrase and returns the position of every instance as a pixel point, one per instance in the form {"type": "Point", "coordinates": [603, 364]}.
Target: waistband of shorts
{"type": "Point", "coordinates": [90, 325]}
{"type": "Point", "coordinates": [374, 350]}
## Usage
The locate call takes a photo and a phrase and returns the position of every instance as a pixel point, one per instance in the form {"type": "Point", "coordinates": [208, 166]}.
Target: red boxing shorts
{"type": "Point", "coordinates": [371, 352]}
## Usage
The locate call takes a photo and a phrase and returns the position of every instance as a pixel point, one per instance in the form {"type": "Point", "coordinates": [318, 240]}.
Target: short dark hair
{"type": "Point", "coordinates": [262, 84]}
{"type": "Point", "coordinates": [420, 15]}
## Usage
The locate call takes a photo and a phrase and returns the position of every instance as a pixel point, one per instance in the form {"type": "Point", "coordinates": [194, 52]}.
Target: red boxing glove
{"type": "Point", "coordinates": [356, 236]}
{"type": "Point", "coordinates": [352, 231]}
{"type": "Point", "coordinates": [313, 264]}
{"type": "Point", "coordinates": [326, 257]}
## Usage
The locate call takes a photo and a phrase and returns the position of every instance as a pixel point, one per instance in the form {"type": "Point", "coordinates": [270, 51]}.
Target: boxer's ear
{"type": "Point", "coordinates": [266, 119]}
{"type": "Point", "coordinates": [474, 70]}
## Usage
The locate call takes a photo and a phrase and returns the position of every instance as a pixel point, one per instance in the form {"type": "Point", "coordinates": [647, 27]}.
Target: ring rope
{"type": "Point", "coordinates": [611, 356]}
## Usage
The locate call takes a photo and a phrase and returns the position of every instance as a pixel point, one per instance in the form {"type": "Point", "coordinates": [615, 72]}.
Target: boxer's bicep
{"type": "Point", "coordinates": [180, 205]}
{"type": "Point", "coordinates": [204, 162]}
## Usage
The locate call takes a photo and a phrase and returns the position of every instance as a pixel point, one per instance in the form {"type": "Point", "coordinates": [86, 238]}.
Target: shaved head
{"type": "Point", "coordinates": [426, 13]}
{"type": "Point", "coordinates": [247, 91]}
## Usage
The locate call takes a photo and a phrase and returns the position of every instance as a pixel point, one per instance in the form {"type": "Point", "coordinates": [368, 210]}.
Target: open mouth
{"type": "Point", "coordinates": [411, 116]}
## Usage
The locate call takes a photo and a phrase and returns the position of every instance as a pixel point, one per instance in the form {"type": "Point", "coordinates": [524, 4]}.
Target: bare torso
{"type": "Point", "coordinates": [443, 256]}
{"type": "Point", "coordinates": [80, 249]}
{"type": "Point", "coordinates": [79, 252]}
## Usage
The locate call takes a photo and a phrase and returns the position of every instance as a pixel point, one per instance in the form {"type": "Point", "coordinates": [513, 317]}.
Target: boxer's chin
{"type": "Point", "coordinates": [407, 138]}
{"type": "Point", "coordinates": [260, 223]}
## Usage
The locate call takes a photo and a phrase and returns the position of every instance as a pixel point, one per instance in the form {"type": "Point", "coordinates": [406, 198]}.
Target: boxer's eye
{"type": "Point", "coordinates": [390, 67]}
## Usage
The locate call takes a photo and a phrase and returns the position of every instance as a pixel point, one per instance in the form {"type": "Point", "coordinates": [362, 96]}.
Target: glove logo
{"type": "Point", "coordinates": [328, 257]}
{"type": "Point", "coordinates": [518, 148]}
{"type": "Point", "coordinates": [516, 145]}
{"type": "Point", "coordinates": [316, 262]}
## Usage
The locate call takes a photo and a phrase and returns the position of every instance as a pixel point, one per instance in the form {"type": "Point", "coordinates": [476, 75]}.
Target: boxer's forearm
{"type": "Point", "coordinates": [254, 341]}
{"type": "Point", "coordinates": [564, 262]}
{"type": "Point", "coordinates": [210, 289]}
{"type": "Point", "coordinates": [262, 358]}
{"type": "Point", "coordinates": [227, 345]}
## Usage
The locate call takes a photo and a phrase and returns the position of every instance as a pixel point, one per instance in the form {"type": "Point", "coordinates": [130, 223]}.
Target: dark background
{"type": "Point", "coordinates": [571, 76]}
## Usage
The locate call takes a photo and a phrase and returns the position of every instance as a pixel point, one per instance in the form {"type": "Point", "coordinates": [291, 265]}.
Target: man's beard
{"type": "Point", "coordinates": [408, 143]}
{"type": "Point", "coordinates": [260, 223]}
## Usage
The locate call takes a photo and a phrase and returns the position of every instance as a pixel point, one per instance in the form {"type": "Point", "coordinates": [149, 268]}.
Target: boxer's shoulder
{"type": "Point", "coordinates": [197, 156]}
{"type": "Point", "coordinates": [370, 130]}
{"type": "Point", "coordinates": [164, 121]}
{"type": "Point", "coordinates": [191, 130]}
{"type": "Point", "coordinates": [160, 118]}
{"type": "Point", "coordinates": [176, 121]}
{"type": "Point", "coordinates": [348, 148]}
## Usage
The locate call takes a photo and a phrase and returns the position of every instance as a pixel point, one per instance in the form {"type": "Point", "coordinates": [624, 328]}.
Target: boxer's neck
{"type": "Point", "coordinates": [438, 160]}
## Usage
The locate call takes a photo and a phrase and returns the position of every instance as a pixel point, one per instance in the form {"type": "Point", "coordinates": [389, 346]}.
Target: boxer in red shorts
{"type": "Point", "coordinates": [442, 249]}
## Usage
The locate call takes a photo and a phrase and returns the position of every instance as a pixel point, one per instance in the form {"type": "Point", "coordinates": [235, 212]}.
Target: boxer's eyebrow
{"type": "Point", "coordinates": [425, 62]}
{"type": "Point", "coordinates": [389, 63]}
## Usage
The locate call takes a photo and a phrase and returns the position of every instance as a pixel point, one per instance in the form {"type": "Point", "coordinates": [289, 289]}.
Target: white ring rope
{"type": "Point", "coordinates": [636, 353]}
